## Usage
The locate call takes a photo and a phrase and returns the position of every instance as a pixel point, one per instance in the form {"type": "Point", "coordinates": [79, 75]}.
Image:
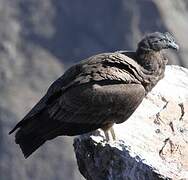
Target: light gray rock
{"type": "Point", "coordinates": [152, 144]}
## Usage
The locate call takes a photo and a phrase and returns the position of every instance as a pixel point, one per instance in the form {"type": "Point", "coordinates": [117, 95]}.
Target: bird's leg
{"type": "Point", "coordinates": [113, 133]}
{"type": "Point", "coordinates": [108, 130]}
{"type": "Point", "coordinates": [106, 133]}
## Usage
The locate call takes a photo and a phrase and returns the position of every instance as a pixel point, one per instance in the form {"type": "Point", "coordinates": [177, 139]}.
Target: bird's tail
{"type": "Point", "coordinates": [34, 131]}
{"type": "Point", "coordinates": [29, 142]}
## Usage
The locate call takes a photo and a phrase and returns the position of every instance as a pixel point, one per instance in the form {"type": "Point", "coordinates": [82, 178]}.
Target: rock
{"type": "Point", "coordinates": [152, 144]}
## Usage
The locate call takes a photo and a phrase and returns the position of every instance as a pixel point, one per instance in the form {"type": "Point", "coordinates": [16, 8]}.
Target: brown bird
{"type": "Point", "coordinates": [95, 93]}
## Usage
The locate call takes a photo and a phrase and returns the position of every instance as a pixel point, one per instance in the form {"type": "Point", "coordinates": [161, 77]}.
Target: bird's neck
{"type": "Point", "coordinates": [152, 67]}
{"type": "Point", "coordinates": [151, 61]}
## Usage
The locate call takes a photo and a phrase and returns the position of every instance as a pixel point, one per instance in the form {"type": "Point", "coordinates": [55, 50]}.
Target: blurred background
{"type": "Point", "coordinates": [40, 39]}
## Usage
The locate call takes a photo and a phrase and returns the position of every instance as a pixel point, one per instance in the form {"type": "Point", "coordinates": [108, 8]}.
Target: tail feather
{"type": "Point", "coordinates": [29, 143]}
{"type": "Point", "coordinates": [33, 132]}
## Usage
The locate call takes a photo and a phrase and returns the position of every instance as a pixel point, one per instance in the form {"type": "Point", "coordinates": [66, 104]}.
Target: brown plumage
{"type": "Point", "coordinates": [96, 93]}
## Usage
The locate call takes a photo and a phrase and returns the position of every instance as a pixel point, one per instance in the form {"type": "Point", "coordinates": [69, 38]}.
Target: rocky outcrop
{"type": "Point", "coordinates": [152, 142]}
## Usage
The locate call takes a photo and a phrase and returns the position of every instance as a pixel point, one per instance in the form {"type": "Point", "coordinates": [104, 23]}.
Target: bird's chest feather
{"type": "Point", "coordinates": [153, 69]}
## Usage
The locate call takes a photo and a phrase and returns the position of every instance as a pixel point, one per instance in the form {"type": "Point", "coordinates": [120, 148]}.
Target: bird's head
{"type": "Point", "coordinates": [157, 41]}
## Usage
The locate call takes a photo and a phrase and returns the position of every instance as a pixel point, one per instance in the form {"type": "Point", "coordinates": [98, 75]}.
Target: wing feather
{"type": "Point", "coordinates": [106, 68]}
{"type": "Point", "coordinates": [94, 104]}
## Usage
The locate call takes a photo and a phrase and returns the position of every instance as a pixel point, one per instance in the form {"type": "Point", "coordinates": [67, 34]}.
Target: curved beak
{"type": "Point", "coordinates": [171, 41]}
{"type": "Point", "coordinates": [173, 45]}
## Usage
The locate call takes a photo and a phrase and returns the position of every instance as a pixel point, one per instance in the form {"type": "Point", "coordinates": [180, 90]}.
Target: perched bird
{"type": "Point", "coordinates": [95, 93]}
